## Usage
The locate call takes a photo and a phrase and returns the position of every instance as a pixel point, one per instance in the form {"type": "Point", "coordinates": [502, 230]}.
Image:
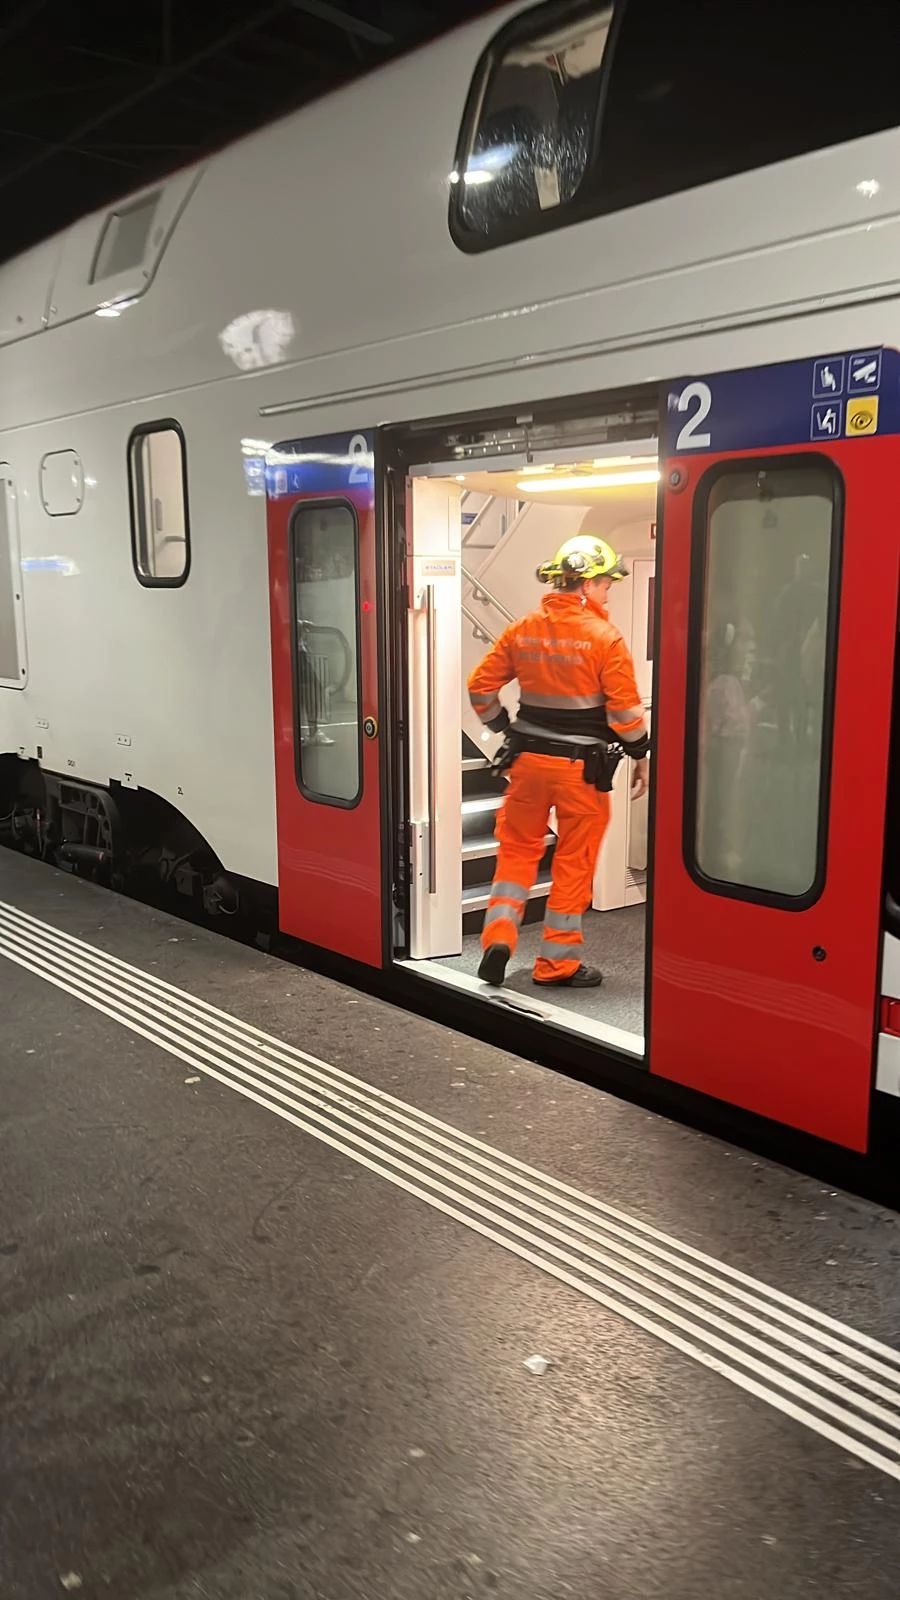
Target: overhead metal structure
{"type": "Point", "coordinates": [100, 99]}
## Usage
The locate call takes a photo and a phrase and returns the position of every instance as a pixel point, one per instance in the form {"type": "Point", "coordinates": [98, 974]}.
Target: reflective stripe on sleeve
{"type": "Point", "coordinates": [624, 716]}
{"type": "Point", "coordinates": [564, 702]}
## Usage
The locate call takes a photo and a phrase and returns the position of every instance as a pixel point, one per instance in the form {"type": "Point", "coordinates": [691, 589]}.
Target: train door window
{"type": "Point", "coordinates": [533, 136]}
{"type": "Point", "coordinates": [763, 641]}
{"type": "Point", "coordinates": [160, 527]}
{"type": "Point", "coordinates": [325, 564]}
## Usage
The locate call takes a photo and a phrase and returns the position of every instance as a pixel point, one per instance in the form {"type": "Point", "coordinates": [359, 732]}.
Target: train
{"type": "Point", "coordinates": [285, 436]}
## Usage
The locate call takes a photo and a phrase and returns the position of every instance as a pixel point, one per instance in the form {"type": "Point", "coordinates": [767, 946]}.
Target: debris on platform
{"type": "Point", "coordinates": [537, 1364]}
{"type": "Point", "coordinates": [192, 1080]}
{"type": "Point", "coordinates": [70, 1580]}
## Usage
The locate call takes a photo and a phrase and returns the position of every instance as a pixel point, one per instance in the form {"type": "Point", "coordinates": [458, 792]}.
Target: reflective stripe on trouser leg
{"type": "Point", "coordinates": [562, 939]}
{"type": "Point", "coordinates": [582, 814]}
{"type": "Point", "coordinates": [520, 831]}
{"type": "Point", "coordinates": [504, 914]}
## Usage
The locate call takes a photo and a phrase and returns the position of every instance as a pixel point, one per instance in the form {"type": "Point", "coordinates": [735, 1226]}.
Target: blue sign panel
{"type": "Point", "coordinates": [853, 394]}
{"type": "Point", "coordinates": [329, 465]}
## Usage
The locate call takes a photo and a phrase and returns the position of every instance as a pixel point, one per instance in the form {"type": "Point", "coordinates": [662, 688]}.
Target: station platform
{"type": "Point", "coordinates": [276, 1258]}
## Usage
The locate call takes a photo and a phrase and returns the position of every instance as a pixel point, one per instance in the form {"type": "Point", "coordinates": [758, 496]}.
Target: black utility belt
{"type": "Point", "coordinates": [535, 744]}
{"type": "Point", "coordinates": [600, 760]}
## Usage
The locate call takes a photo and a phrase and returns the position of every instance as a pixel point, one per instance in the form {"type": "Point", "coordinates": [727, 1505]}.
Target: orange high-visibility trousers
{"type": "Point", "coordinates": [537, 784]}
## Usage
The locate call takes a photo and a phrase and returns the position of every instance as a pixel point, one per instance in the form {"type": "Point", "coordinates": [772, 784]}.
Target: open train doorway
{"type": "Point", "coordinates": [477, 532]}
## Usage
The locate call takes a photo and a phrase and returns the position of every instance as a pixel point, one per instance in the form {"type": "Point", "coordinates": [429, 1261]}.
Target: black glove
{"type": "Point", "coordinates": [500, 723]}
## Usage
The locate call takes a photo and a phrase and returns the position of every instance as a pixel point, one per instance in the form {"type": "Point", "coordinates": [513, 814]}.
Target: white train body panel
{"type": "Point", "coordinates": [334, 221]}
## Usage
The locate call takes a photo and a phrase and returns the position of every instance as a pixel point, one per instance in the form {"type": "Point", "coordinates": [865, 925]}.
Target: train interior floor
{"type": "Point", "coordinates": [304, 1296]}
{"type": "Point", "coordinates": [613, 941]}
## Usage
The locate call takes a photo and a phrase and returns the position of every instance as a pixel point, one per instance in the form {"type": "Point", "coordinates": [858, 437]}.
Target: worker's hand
{"type": "Point", "coordinates": [640, 778]}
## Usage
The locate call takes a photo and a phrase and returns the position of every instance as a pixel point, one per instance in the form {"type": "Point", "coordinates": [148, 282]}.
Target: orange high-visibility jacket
{"type": "Point", "coordinates": [576, 676]}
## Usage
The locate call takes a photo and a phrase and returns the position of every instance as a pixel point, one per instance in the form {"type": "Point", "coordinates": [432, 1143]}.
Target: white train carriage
{"type": "Point", "coordinates": [283, 438]}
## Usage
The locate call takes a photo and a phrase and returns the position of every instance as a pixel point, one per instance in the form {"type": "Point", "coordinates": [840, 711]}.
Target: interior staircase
{"type": "Point", "coordinates": [487, 519]}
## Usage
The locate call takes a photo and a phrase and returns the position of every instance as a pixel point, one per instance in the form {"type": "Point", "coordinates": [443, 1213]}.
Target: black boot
{"type": "Point", "coordinates": [492, 967]}
{"type": "Point", "coordinates": [584, 978]}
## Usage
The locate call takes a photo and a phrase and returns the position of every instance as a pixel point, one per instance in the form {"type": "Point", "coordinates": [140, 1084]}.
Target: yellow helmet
{"type": "Point", "coordinates": [580, 559]}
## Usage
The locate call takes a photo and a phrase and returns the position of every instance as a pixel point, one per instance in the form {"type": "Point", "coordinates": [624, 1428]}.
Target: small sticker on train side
{"type": "Point", "coordinates": [864, 372]}
{"type": "Point", "coordinates": [862, 416]}
{"type": "Point", "coordinates": [825, 421]}
{"type": "Point", "coordinates": [435, 568]}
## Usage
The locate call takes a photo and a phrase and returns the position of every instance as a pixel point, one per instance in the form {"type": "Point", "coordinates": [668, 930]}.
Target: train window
{"type": "Point", "coordinates": [581, 109]}
{"type": "Point", "coordinates": [763, 626]}
{"type": "Point", "coordinates": [325, 564]}
{"type": "Point", "coordinates": [532, 137]}
{"type": "Point", "coordinates": [690, 99]}
{"type": "Point", "coordinates": [160, 527]}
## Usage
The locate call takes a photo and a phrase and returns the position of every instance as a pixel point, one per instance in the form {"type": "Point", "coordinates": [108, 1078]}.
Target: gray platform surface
{"type": "Point", "coordinates": [236, 1365]}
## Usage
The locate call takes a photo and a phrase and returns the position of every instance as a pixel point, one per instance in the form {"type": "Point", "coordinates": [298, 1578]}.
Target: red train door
{"type": "Point", "coordinates": [779, 613]}
{"type": "Point", "coordinates": [322, 582]}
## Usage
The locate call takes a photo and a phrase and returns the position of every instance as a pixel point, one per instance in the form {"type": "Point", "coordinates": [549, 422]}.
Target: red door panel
{"type": "Point", "coordinates": [763, 995]}
{"type": "Point", "coordinates": [322, 581]}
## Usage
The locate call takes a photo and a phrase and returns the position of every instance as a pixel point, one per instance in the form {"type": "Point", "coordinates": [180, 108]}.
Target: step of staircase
{"type": "Point", "coordinates": [479, 849]}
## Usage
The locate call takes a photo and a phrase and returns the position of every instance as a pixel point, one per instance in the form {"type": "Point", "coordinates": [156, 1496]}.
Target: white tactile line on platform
{"type": "Point", "coordinates": [806, 1364]}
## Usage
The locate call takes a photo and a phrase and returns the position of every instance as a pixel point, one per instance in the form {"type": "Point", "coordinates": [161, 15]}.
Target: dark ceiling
{"type": "Point", "coordinates": [101, 96]}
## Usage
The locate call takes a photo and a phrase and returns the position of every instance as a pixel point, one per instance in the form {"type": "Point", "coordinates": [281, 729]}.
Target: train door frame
{"type": "Point", "coordinates": [330, 842]}
{"type": "Point", "coordinates": [451, 445]}
{"type": "Point", "coordinates": [774, 1009]}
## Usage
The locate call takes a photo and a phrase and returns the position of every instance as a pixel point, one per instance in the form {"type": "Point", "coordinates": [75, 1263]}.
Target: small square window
{"type": "Point", "coordinates": [123, 242]}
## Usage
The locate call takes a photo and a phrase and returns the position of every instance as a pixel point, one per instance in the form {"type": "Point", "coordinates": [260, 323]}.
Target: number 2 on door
{"type": "Point", "coordinates": [689, 438]}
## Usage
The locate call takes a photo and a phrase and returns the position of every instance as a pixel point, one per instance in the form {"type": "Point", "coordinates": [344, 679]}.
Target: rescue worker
{"type": "Point", "coordinates": [578, 701]}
